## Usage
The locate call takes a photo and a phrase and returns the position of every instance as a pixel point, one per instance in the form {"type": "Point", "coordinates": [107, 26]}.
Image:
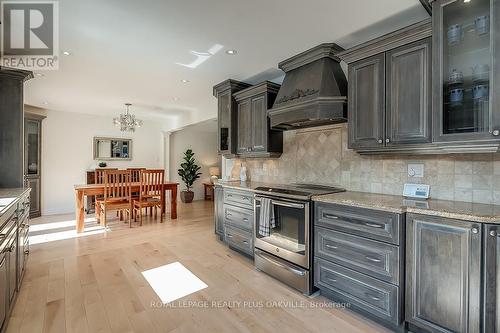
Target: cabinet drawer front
{"type": "Point", "coordinates": [238, 217]}
{"type": "Point", "coordinates": [367, 256]}
{"type": "Point", "coordinates": [239, 239]}
{"type": "Point", "coordinates": [243, 199]}
{"type": "Point", "coordinates": [363, 222]}
{"type": "Point", "coordinates": [368, 294]}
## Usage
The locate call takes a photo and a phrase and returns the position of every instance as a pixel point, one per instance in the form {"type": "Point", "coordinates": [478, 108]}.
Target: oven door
{"type": "Point", "coordinates": [289, 239]}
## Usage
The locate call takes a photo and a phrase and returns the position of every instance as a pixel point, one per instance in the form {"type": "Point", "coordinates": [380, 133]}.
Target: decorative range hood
{"type": "Point", "coordinates": [314, 91]}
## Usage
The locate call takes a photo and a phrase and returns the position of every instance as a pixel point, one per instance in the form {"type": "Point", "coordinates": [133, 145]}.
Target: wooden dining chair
{"type": "Point", "coordinates": [99, 174]}
{"type": "Point", "coordinates": [136, 174]}
{"type": "Point", "coordinates": [117, 195]}
{"type": "Point", "coordinates": [150, 194]}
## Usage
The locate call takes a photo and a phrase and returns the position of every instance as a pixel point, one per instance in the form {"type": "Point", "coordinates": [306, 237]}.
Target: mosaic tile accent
{"type": "Point", "coordinates": [320, 155]}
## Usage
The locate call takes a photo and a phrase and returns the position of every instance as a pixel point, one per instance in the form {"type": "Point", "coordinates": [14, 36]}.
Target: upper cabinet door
{"type": "Point", "coordinates": [408, 94]}
{"type": "Point", "coordinates": [224, 119]}
{"type": "Point", "coordinates": [244, 126]}
{"type": "Point", "coordinates": [466, 70]}
{"type": "Point", "coordinates": [260, 126]}
{"type": "Point", "coordinates": [367, 102]}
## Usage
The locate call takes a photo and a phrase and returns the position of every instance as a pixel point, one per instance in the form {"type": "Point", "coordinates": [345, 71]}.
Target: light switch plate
{"type": "Point", "coordinates": [418, 191]}
{"type": "Point", "coordinates": [416, 170]}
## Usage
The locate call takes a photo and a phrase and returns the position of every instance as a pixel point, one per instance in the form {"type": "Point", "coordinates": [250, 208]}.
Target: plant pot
{"type": "Point", "coordinates": [187, 196]}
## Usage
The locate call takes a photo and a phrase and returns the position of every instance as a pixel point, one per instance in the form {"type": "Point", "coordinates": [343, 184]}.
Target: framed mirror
{"type": "Point", "coordinates": [108, 149]}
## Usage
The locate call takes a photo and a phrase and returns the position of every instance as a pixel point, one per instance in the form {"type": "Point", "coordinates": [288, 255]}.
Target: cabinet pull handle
{"type": "Point", "coordinates": [387, 140]}
{"type": "Point", "coordinates": [245, 242]}
{"type": "Point", "coordinates": [229, 214]}
{"type": "Point", "coordinates": [229, 236]}
{"type": "Point", "coordinates": [372, 259]}
{"type": "Point", "coordinates": [246, 198]}
{"type": "Point", "coordinates": [496, 132]}
{"type": "Point", "coordinates": [493, 233]}
{"type": "Point", "coordinates": [375, 298]}
{"type": "Point", "coordinates": [331, 279]}
{"type": "Point", "coordinates": [373, 225]}
{"type": "Point", "coordinates": [331, 246]}
{"type": "Point", "coordinates": [475, 230]}
{"type": "Point", "coordinates": [330, 216]}
{"type": "Point", "coordinates": [245, 220]}
{"type": "Point", "coordinates": [380, 141]}
{"type": "Point", "coordinates": [26, 252]}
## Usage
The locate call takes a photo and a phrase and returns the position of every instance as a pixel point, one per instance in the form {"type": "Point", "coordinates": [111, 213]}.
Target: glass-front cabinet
{"type": "Point", "coordinates": [465, 70]}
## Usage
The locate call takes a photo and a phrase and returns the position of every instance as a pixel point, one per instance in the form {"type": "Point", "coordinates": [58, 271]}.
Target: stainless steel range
{"type": "Point", "coordinates": [283, 246]}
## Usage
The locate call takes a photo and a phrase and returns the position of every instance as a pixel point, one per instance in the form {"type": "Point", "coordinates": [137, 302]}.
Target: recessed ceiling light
{"type": "Point", "coordinates": [175, 99]}
{"type": "Point", "coordinates": [45, 103]}
{"type": "Point", "coordinates": [66, 53]}
{"type": "Point", "coordinates": [466, 1]}
{"type": "Point", "coordinates": [39, 74]}
{"type": "Point", "coordinates": [231, 52]}
{"type": "Point", "coordinates": [184, 81]}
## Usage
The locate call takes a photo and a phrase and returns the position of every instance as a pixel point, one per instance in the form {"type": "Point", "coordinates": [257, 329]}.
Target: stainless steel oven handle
{"type": "Point", "coordinates": [287, 204]}
{"type": "Point", "coordinates": [277, 263]}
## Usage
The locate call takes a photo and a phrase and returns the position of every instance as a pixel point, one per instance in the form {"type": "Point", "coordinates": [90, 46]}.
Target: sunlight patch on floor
{"type": "Point", "coordinates": [173, 281]}
{"type": "Point", "coordinates": [57, 225]}
{"type": "Point", "coordinates": [56, 236]}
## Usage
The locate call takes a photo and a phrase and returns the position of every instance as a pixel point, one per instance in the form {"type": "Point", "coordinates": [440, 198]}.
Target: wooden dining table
{"type": "Point", "coordinates": [98, 189]}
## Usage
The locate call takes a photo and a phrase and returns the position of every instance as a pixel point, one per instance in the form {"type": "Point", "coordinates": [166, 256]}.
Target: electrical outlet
{"type": "Point", "coordinates": [416, 170]}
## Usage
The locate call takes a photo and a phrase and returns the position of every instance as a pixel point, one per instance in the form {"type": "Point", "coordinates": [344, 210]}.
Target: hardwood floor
{"type": "Point", "coordinates": [92, 282]}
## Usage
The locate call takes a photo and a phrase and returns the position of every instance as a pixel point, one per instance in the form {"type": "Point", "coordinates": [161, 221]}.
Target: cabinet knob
{"type": "Point", "coordinates": [380, 141]}
{"type": "Point", "coordinates": [475, 230]}
{"type": "Point", "coordinates": [496, 132]}
{"type": "Point", "coordinates": [493, 233]}
{"type": "Point", "coordinates": [387, 140]}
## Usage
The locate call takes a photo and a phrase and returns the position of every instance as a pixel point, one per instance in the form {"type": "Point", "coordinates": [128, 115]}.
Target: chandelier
{"type": "Point", "coordinates": [127, 121]}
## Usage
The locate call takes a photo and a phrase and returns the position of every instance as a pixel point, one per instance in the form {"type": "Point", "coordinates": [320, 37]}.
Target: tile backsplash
{"type": "Point", "coordinates": [320, 155]}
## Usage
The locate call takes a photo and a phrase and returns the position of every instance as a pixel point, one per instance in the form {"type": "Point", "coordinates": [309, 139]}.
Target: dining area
{"type": "Point", "coordinates": [129, 193]}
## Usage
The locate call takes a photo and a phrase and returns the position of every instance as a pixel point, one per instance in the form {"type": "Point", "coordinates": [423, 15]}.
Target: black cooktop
{"type": "Point", "coordinates": [299, 191]}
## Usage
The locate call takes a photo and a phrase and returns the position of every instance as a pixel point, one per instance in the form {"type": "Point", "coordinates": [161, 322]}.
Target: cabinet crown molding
{"type": "Point", "coordinates": [230, 84]}
{"type": "Point", "coordinates": [325, 50]}
{"type": "Point", "coordinates": [404, 36]}
{"type": "Point", "coordinates": [263, 87]}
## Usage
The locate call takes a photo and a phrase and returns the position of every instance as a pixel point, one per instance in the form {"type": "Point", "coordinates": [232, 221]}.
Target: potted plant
{"type": "Point", "coordinates": [188, 173]}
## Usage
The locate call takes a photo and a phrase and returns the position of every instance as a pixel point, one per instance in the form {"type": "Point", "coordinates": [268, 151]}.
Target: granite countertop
{"type": "Point", "coordinates": [473, 212]}
{"type": "Point", "coordinates": [9, 196]}
{"type": "Point", "coordinates": [237, 185]}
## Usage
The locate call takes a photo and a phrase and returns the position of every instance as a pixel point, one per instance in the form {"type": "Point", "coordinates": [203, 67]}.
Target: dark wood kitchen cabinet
{"type": "Point", "coordinates": [359, 260]}
{"type": "Point", "coordinates": [466, 87]}
{"type": "Point", "coordinates": [366, 102]}
{"type": "Point", "coordinates": [408, 94]}
{"type": "Point", "coordinates": [12, 126]}
{"type": "Point", "coordinates": [255, 138]}
{"type": "Point", "coordinates": [33, 160]}
{"type": "Point", "coordinates": [219, 211]}
{"type": "Point", "coordinates": [443, 274]}
{"type": "Point", "coordinates": [389, 104]}
{"type": "Point", "coordinates": [491, 279]}
{"type": "Point", "coordinates": [227, 116]}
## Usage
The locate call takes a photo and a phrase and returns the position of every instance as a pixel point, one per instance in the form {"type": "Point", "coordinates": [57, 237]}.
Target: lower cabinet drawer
{"type": "Point", "coordinates": [363, 293]}
{"type": "Point", "coordinates": [238, 217]}
{"type": "Point", "coordinates": [239, 239]}
{"type": "Point", "coordinates": [377, 259]}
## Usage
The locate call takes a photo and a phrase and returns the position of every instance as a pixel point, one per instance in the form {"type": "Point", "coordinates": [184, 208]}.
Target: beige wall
{"type": "Point", "coordinates": [67, 140]}
{"type": "Point", "coordinates": [202, 139]}
{"type": "Point", "coordinates": [321, 156]}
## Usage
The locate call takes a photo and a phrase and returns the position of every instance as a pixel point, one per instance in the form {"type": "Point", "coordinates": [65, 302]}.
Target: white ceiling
{"type": "Point", "coordinates": [128, 50]}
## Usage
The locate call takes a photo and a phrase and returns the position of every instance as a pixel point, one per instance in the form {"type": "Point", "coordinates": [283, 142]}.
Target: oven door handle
{"type": "Point", "coordinates": [287, 204]}
{"type": "Point", "coordinates": [277, 263]}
